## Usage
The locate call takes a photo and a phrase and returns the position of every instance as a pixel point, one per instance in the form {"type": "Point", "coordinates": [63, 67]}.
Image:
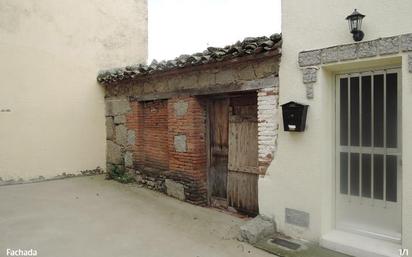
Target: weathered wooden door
{"type": "Point", "coordinates": [218, 118]}
{"type": "Point", "coordinates": [243, 155]}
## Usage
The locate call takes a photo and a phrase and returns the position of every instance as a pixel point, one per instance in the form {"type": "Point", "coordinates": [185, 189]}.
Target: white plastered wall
{"type": "Point", "coordinates": [301, 176]}
{"type": "Point", "coordinates": [52, 119]}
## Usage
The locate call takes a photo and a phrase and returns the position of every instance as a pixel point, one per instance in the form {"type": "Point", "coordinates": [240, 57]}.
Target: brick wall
{"type": "Point", "coordinates": [155, 134]}
{"type": "Point", "coordinates": [168, 142]}
{"type": "Point", "coordinates": [187, 146]}
{"type": "Point", "coordinates": [134, 123]}
{"type": "Point", "coordinates": [149, 122]}
{"type": "Point", "coordinates": [268, 116]}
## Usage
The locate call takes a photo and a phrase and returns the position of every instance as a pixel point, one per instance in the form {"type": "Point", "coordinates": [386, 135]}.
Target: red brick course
{"type": "Point", "coordinates": [156, 124]}
{"type": "Point", "coordinates": [189, 167]}
{"type": "Point", "coordinates": [149, 121]}
{"type": "Point", "coordinates": [134, 122]}
{"type": "Point", "coordinates": [155, 148]}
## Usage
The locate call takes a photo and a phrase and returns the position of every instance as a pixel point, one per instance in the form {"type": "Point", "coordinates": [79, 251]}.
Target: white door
{"type": "Point", "coordinates": [368, 154]}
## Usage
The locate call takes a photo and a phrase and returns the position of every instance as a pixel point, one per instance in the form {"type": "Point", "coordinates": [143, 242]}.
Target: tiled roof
{"type": "Point", "coordinates": [249, 46]}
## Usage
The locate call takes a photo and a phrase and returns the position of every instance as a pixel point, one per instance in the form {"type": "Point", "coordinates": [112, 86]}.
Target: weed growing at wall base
{"type": "Point", "coordinates": [118, 173]}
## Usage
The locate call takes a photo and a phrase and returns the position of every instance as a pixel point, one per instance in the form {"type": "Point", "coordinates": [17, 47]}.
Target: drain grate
{"type": "Point", "coordinates": [285, 243]}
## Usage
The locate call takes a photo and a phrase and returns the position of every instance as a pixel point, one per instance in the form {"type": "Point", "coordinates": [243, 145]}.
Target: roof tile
{"type": "Point", "coordinates": [249, 46]}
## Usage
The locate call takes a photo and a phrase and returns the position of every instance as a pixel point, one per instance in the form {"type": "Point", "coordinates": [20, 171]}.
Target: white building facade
{"type": "Point", "coordinates": [343, 182]}
{"type": "Point", "coordinates": [51, 106]}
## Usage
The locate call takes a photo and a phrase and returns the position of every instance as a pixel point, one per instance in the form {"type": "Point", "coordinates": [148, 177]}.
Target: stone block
{"type": "Point", "coordinates": [309, 91]}
{"type": "Point", "coordinates": [109, 167]}
{"type": "Point", "coordinates": [330, 54]}
{"type": "Point", "coordinates": [224, 77]}
{"type": "Point", "coordinates": [388, 45]}
{"type": "Point", "coordinates": [136, 90]}
{"type": "Point", "coordinates": [348, 52]}
{"type": "Point", "coordinates": [257, 228]}
{"type": "Point", "coordinates": [109, 128]}
{"type": "Point", "coordinates": [128, 159]}
{"type": "Point", "coordinates": [188, 81]}
{"type": "Point", "coordinates": [131, 172]}
{"type": "Point", "coordinates": [131, 137]}
{"type": "Point", "coordinates": [121, 135]}
{"type": "Point", "coordinates": [113, 153]}
{"type": "Point", "coordinates": [139, 178]}
{"type": "Point", "coordinates": [368, 49]}
{"type": "Point", "coordinates": [309, 75]}
{"type": "Point", "coordinates": [406, 42]}
{"type": "Point", "coordinates": [117, 106]}
{"type": "Point", "coordinates": [296, 217]}
{"type": "Point", "coordinates": [265, 69]}
{"type": "Point", "coordinates": [161, 85]}
{"type": "Point", "coordinates": [246, 73]}
{"type": "Point", "coordinates": [309, 58]}
{"type": "Point", "coordinates": [180, 108]}
{"type": "Point", "coordinates": [180, 143]}
{"type": "Point", "coordinates": [175, 189]}
{"type": "Point", "coordinates": [206, 79]}
{"type": "Point", "coordinates": [120, 119]}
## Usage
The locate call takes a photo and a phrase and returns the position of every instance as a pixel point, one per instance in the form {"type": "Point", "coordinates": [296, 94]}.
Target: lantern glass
{"type": "Point", "coordinates": [355, 24]}
{"type": "Point", "coordinates": [355, 21]}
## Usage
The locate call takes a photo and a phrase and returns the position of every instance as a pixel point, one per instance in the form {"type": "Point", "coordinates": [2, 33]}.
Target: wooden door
{"type": "Point", "coordinates": [243, 155]}
{"type": "Point", "coordinates": [218, 118]}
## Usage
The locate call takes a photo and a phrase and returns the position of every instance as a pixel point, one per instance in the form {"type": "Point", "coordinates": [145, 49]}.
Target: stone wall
{"type": "Point", "coordinates": [117, 136]}
{"type": "Point", "coordinates": [221, 77]}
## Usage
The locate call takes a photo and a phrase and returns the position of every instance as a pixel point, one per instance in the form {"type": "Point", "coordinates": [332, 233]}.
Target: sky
{"type": "Point", "coordinates": [188, 26]}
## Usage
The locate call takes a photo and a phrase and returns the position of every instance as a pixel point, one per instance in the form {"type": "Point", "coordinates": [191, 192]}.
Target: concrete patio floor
{"type": "Point", "coordinates": [90, 216]}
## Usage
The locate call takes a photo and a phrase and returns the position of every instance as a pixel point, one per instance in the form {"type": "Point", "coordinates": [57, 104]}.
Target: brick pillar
{"type": "Point", "coordinates": [268, 105]}
{"type": "Point", "coordinates": [134, 124]}
{"type": "Point", "coordinates": [187, 147]}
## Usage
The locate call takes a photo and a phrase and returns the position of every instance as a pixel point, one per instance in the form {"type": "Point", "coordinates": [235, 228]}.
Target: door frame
{"type": "Point", "coordinates": [376, 70]}
{"type": "Point", "coordinates": [209, 99]}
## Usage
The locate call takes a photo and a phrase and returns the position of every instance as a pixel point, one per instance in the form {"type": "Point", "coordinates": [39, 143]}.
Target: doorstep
{"type": "Point", "coordinates": [359, 246]}
{"type": "Point", "coordinates": [294, 248]}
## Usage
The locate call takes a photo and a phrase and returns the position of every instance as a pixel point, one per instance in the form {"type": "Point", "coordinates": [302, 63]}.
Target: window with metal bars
{"type": "Point", "coordinates": [368, 140]}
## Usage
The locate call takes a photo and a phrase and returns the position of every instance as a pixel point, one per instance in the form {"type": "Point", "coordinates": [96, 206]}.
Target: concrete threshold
{"type": "Point", "coordinates": [359, 246]}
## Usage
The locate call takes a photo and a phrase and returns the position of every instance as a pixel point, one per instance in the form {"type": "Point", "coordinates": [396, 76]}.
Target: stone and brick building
{"type": "Point", "coordinates": [199, 127]}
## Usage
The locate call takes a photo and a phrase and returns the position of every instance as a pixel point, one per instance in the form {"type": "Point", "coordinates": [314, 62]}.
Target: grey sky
{"type": "Point", "coordinates": [188, 26]}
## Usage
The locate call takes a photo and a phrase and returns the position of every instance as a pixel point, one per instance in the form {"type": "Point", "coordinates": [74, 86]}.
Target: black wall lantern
{"type": "Point", "coordinates": [294, 116]}
{"type": "Point", "coordinates": [355, 25]}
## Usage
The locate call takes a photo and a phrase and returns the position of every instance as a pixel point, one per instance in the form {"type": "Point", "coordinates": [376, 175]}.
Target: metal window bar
{"type": "Point", "coordinates": [373, 136]}
{"type": "Point", "coordinates": [360, 138]}
{"type": "Point", "coordinates": [370, 150]}
{"type": "Point", "coordinates": [373, 150]}
{"type": "Point", "coordinates": [384, 138]}
{"type": "Point", "coordinates": [349, 141]}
